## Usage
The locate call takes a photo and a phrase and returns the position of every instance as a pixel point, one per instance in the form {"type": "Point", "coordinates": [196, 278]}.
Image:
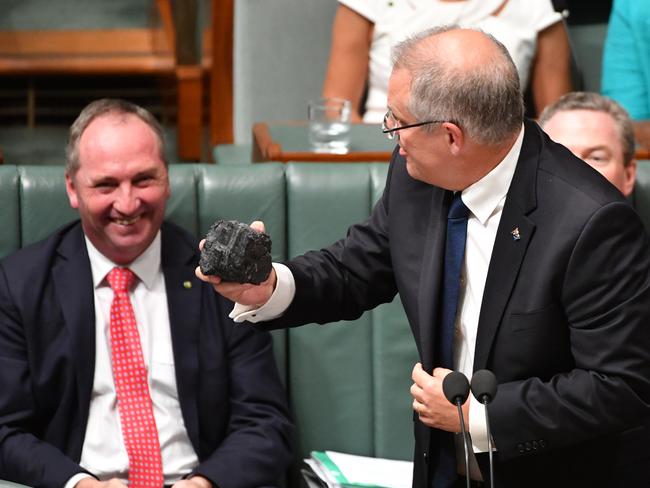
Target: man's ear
{"type": "Point", "coordinates": [630, 178]}
{"type": "Point", "coordinates": [454, 137]}
{"type": "Point", "coordinates": [71, 190]}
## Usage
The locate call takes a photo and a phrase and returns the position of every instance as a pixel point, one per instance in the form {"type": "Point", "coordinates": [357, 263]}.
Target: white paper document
{"type": "Point", "coordinates": [337, 469]}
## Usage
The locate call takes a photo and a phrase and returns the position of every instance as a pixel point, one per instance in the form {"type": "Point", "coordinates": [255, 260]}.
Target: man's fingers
{"type": "Point", "coordinates": [258, 225]}
{"type": "Point", "coordinates": [416, 392]}
{"type": "Point", "coordinates": [419, 375]}
{"type": "Point", "coordinates": [441, 373]}
{"type": "Point", "coordinates": [215, 280]}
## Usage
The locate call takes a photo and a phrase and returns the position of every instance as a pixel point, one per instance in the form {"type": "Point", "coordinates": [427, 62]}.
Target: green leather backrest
{"type": "Point", "coordinates": [182, 206]}
{"type": "Point", "coordinates": [394, 355]}
{"type": "Point", "coordinates": [330, 379]}
{"type": "Point", "coordinates": [348, 382]}
{"type": "Point", "coordinates": [9, 210]}
{"type": "Point", "coordinates": [247, 193]}
{"type": "Point", "coordinates": [44, 205]}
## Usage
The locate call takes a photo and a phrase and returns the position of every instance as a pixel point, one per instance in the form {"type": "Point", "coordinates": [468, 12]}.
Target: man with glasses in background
{"type": "Point", "coordinates": [509, 254]}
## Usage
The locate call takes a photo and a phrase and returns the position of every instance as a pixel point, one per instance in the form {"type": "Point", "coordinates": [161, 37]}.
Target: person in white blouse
{"type": "Point", "coordinates": [211, 410]}
{"type": "Point", "coordinates": [364, 31]}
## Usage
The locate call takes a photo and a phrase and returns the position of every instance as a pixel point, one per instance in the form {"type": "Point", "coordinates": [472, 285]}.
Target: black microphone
{"type": "Point", "coordinates": [456, 389]}
{"type": "Point", "coordinates": [484, 389]}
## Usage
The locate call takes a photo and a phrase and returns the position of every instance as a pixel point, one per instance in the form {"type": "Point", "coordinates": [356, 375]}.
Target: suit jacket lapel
{"type": "Point", "coordinates": [74, 285]}
{"type": "Point", "coordinates": [512, 239]}
{"type": "Point", "coordinates": [430, 277]}
{"type": "Point", "coordinates": [184, 300]}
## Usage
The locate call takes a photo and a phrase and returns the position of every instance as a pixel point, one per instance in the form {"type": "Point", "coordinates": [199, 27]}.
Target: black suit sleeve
{"type": "Point", "coordinates": [603, 298]}
{"type": "Point", "coordinates": [23, 456]}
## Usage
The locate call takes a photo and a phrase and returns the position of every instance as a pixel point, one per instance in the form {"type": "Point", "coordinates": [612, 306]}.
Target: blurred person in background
{"type": "Point", "coordinates": [597, 130]}
{"type": "Point", "coordinates": [364, 31]}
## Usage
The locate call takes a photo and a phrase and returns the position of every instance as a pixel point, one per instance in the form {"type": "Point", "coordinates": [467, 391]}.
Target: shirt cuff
{"type": "Point", "coordinates": [285, 290]}
{"type": "Point", "coordinates": [477, 426]}
{"type": "Point", "coordinates": [76, 479]}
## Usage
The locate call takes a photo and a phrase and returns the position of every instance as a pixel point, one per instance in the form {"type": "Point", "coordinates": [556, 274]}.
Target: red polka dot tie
{"type": "Point", "coordinates": [133, 399]}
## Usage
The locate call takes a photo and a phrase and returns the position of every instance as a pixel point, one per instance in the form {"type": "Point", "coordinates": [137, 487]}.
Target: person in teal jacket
{"type": "Point", "coordinates": [626, 62]}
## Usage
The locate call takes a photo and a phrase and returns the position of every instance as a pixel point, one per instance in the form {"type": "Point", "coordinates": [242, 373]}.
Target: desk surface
{"type": "Point", "coordinates": [289, 141]}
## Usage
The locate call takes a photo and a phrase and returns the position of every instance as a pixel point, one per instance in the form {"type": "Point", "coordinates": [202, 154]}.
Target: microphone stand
{"type": "Point", "coordinates": [484, 387]}
{"type": "Point", "coordinates": [465, 439]}
{"type": "Point", "coordinates": [489, 439]}
{"type": "Point", "coordinates": [455, 387]}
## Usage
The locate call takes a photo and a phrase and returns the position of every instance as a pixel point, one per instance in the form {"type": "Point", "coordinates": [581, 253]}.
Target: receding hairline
{"type": "Point", "coordinates": [104, 107]}
{"type": "Point", "coordinates": [425, 48]}
{"type": "Point", "coordinates": [120, 118]}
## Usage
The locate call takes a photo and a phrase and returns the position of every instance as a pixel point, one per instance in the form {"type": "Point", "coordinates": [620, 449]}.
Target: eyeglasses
{"type": "Point", "coordinates": [391, 133]}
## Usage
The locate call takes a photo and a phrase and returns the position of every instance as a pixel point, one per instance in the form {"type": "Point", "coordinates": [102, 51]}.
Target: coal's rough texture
{"type": "Point", "coordinates": [235, 252]}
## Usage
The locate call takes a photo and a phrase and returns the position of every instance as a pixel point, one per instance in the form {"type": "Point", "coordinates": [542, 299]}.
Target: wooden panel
{"type": "Point", "coordinates": [88, 65]}
{"type": "Point", "coordinates": [114, 51]}
{"type": "Point", "coordinates": [221, 79]}
{"type": "Point", "coordinates": [190, 113]}
{"type": "Point", "coordinates": [71, 42]}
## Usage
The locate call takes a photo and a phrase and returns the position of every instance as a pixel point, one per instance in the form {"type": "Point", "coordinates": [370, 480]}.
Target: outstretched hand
{"type": "Point", "coordinates": [243, 293]}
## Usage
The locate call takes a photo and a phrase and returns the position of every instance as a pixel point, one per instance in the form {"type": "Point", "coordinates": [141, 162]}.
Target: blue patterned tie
{"type": "Point", "coordinates": [445, 472]}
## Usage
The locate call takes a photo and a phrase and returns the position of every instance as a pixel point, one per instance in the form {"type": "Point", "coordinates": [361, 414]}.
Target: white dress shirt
{"type": "Point", "coordinates": [103, 452]}
{"type": "Point", "coordinates": [485, 200]}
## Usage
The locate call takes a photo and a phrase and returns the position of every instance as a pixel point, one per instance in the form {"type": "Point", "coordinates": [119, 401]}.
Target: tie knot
{"type": "Point", "coordinates": [120, 279]}
{"type": "Point", "coordinates": [457, 209]}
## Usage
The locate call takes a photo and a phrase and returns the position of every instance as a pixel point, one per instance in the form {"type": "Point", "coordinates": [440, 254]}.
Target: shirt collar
{"type": "Point", "coordinates": [145, 266]}
{"type": "Point", "coordinates": [483, 197]}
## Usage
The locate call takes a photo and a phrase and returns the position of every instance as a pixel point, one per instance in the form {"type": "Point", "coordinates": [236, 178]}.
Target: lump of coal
{"type": "Point", "coordinates": [235, 252]}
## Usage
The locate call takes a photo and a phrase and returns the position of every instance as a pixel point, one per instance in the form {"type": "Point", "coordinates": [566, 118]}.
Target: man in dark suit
{"type": "Point", "coordinates": [90, 370]}
{"type": "Point", "coordinates": [553, 294]}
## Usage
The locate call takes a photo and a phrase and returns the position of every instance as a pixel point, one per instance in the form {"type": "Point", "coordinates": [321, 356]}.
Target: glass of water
{"type": "Point", "coordinates": [329, 125]}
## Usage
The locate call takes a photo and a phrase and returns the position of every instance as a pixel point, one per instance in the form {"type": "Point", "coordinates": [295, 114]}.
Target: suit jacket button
{"type": "Point", "coordinates": [520, 447]}
{"type": "Point", "coordinates": [426, 457]}
{"type": "Point", "coordinates": [535, 445]}
{"type": "Point", "coordinates": [528, 446]}
{"type": "Point", "coordinates": [542, 443]}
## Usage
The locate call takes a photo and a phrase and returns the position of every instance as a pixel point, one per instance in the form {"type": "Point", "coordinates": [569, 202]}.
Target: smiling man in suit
{"type": "Point", "coordinates": [547, 283]}
{"type": "Point", "coordinates": [116, 363]}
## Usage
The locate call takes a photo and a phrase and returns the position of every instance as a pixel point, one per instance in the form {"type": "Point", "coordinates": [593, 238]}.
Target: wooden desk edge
{"type": "Point", "coordinates": [352, 157]}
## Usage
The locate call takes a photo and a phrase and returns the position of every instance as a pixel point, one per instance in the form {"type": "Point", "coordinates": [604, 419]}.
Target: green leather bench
{"type": "Point", "coordinates": [348, 384]}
